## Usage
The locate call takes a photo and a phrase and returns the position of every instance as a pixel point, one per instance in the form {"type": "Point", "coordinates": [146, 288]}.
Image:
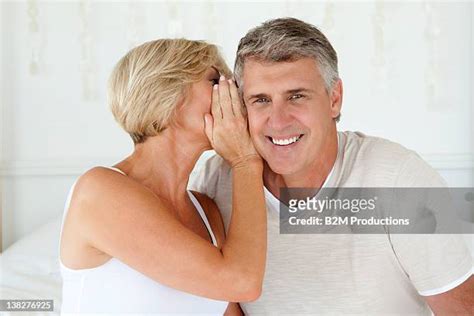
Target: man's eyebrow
{"type": "Point", "coordinates": [264, 95]}
{"type": "Point", "coordinates": [298, 90]}
{"type": "Point", "coordinates": [256, 96]}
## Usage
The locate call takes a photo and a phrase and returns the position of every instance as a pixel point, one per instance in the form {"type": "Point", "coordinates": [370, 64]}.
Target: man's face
{"type": "Point", "coordinates": [290, 113]}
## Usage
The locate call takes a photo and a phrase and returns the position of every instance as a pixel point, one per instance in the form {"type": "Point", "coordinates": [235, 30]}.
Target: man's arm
{"type": "Point", "coordinates": [458, 301]}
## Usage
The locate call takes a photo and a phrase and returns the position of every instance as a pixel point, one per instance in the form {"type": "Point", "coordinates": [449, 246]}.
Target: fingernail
{"type": "Point", "coordinates": [215, 86]}
{"type": "Point", "coordinates": [230, 81]}
{"type": "Point", "coordinates": [222, 78]}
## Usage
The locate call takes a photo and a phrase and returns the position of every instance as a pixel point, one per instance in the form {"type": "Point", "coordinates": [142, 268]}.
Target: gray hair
{"type": "Point", "coordinates": [287, 39]}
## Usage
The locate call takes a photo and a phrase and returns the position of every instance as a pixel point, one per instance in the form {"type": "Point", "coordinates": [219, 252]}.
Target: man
{"type": "Point", "coordinates": [287, 72]}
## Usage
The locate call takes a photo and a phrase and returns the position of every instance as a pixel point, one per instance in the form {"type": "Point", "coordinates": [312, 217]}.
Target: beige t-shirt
{"type": "Point", "coordinates": [351, 273]}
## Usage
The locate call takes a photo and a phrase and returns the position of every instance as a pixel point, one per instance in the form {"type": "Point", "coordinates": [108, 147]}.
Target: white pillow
{"type": "Point", "coordinates": [30, 267]}
{"type": "Point", "coordinates": [41, 245]}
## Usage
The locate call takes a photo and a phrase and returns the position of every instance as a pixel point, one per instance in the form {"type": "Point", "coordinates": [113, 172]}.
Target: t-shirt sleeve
{"type": "Point", "coordinates": [435, 263]}
{"type": "Point", "coordinates": [205, 176]}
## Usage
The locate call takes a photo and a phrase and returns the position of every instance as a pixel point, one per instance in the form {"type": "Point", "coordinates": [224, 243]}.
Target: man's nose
{"type": "Point", "coordinates": [280, 117]}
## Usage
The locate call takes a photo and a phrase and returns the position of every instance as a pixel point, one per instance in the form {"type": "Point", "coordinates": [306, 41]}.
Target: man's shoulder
{"type": "Point", "coordinates": [372, 147]}
{"type": "Point", "coordinates": [381, 160]}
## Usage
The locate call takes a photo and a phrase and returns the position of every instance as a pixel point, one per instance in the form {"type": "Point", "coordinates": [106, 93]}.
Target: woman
{"type": "Point", "coordinates": [133, 238]}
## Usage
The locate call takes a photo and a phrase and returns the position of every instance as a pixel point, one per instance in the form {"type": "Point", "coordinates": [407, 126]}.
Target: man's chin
{"type": "Point", "coordinates": [281, 167]}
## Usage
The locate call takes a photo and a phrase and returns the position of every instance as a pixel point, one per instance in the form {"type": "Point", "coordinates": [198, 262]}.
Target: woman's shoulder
{"type": "Point", "coordinates": [99, 174]}
{"type": "Point", "coordinates": [99, 188]}
{"type": "Point", "coordinates": [90, 193]}
{"type": "Point", "coordinates": [99, 180]}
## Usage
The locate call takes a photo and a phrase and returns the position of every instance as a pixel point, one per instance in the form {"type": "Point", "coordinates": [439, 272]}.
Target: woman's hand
{"type": "Point", "coordinates": [227, 128]}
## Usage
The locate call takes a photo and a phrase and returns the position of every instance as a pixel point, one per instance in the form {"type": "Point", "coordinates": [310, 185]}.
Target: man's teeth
{"type": "Point", "coordinates": [286, 141]}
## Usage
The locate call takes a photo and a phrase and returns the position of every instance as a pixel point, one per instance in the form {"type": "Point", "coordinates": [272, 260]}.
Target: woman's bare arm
{"type": "Point", "coordinates": [125, 220]}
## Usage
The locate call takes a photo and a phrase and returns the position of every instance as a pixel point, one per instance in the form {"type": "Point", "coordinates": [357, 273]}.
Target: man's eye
{"type": "Point", "coordinates": [261, 100]}
{"type": "Point", "coordinates": [296, 96]}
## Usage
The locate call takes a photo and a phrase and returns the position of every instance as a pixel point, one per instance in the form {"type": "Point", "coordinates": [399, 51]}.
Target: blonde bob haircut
{"type": "Point", "coordinates": [149, 82]}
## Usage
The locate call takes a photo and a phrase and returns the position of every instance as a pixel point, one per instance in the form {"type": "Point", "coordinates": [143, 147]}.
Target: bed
{"type": "Point", "coordinates": [29, 268]}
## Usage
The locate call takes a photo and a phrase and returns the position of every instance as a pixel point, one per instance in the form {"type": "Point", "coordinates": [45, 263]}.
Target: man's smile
{"type": "Point", "coordinates": [284, 141]}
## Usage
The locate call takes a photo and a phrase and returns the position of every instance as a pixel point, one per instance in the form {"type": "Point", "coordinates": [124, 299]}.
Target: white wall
{"type": "Point", "coordinates": [407, 70]}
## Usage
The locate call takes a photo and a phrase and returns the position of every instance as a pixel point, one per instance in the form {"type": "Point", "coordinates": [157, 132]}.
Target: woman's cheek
{"type": "Point", "coordinates": [207, 103]}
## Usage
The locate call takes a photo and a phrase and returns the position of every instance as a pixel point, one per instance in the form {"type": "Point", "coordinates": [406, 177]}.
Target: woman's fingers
{"type": "Point", "coordinates": [224, 98]}
{"type": "Point", "coordinates": [229, 132]}
{"type": "Point", "coordinates": [234, 95]}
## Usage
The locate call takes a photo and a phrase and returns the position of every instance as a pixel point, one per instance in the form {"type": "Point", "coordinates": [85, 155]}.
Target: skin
{"type": "Point", "coordinates": [458, 301]}
{"type": "Point", "coordinates": [153, 195]}
{"type": "Point", "coordinates": [301, 105]}
{"type": "Point", "coordinates": [298, 105]}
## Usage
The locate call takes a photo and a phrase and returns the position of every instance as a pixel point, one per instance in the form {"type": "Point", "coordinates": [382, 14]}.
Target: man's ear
{"type": "Point", "coordinates": [336, 99]}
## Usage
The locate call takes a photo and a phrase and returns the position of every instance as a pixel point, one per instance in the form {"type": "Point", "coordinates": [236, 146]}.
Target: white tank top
{"type": "Point", "coordinates": [114, 287]}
